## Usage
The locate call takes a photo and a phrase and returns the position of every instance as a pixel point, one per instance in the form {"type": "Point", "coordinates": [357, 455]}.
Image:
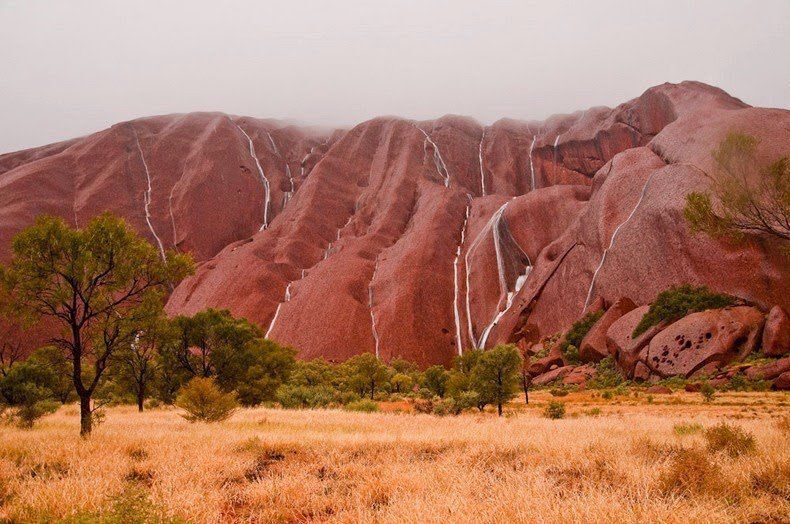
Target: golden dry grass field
{"type": "Point", "coordinates": [620, 460]}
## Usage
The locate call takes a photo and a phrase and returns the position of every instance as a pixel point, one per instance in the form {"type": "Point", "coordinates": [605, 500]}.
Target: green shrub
{"type": "Point", "coordinates": [28, 414]}
{"type": "Point", "coordinates": [707, 391]}
{"type": "Point", "coordinates": [558, 392]}
{"type": "Point", "coordinates": [205, 402]}
{"type": "Point", "coordinates": [304, 397]}
{"type": "Point", "coordinates": [606, 375]}
{"type": "Point", "coordinates": [465, 400]}
{"type": "Point", "coordinates": [730, 439]}
{"type": "Point", "coordinates": [575, 335]}
{"type": "Point", "coordinates": [554, 410]}
{"type": "Point", "coordinates": [677, 302]}
{"type": "Point", "coordinates": [687, 429]}
{"type": "Point", "coordinates": [423, 405]}
{"type": "Point", "coordinates": [607, 395]}
{"type": "Point", "coordinates": [346, 397]}
{"type": "Point", "coordinates": [739, 382]}
{"type": "Point", "coordinates": [364, 405]}
{"type": "Point", "coordinates": [444, 407]}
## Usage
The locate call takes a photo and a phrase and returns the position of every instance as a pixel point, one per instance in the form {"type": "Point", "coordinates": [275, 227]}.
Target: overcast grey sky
{"type": "Point", "coordinates": [73, 67]}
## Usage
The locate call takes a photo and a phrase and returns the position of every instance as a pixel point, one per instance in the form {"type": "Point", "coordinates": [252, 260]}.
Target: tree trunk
{"type": "Point", "coordinates": [140, 399]}
{"type": "Point", "coordinates": [499, 408]}
{"type": "Point", "coordinates": [85, 415]}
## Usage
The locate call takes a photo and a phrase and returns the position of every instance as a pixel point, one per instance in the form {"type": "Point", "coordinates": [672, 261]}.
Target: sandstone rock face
{"type": "Point", "coordinates": [700, 339]}
{"type": "Point", "coordinates": [579, 376]}
{"type": "Point", "coordinates": [782, 382]}
{"type": "Point", "coordinates": [593, 347]}
{"type": "Point", "coordinates": [769, 371]}
{"type": "Point", "coordinates": [776, 335]}
{"type": "Point", "coordinates": [542, 365]}
{"type": "Point", "coordinates": [416, 239]}
{"type": "Point", "coordinates": [620, 343]}
{"type": "Point", "coordinates": [551, 376]}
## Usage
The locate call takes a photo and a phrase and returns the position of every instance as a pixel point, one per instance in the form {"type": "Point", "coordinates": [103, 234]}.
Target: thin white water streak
{"type": "Point", "coordinates": [274, 146]}
{"type": "Point", "coordinates": [147, 197]}
{"type": "Point", "coordinates": [172, 217]}
{"type": "Point", "coordinates": [531, 165]}
{"type": "Point", "coordinates": [370, 307]}
{"type": "Point", "coordinates": [455, 281]}
{"type": "Point", "coordinates": [264, 180]}
{"type": "Point", "coordinates": [290, 193]}
{"type": "Point", "coordinates": [614, 235]}
{"type": "Point", "coordinates": [438, 161]}
{"type": "Point", "coordinates": [286, 298]}
{"type": "Point", "coordinates": [480, 158]}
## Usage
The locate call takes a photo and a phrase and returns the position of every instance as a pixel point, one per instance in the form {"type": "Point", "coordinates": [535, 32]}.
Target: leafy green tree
{"type": "Point", "coordinates": [435, 379]}
{"type": "Point", "coordinates": [204, 401]}
{"type": "Point", "coordinates": [365, 374]}
{"type": "Point", "coordinates": [257, 370]}
{"type": "Point", "coordinates": [208, 339]}
{"type": "Point", "coordinates": [139, 362]}
{"type": "Point", "coordinates": [745, 198]}
{"type": "Point", "coordinates": [460, 379]}
{"type": "Point", "coordinates": [401, 382]}
{"type": "Point", "coordinates": [495, 377]}
{"type": "Point", "coordinates": [96, 283]}
{"type": "Point", "coordinates": [312, 373]}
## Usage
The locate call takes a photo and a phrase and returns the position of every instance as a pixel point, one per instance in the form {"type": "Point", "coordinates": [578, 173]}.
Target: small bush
{"type": "Point", "coordinates": [730, 439]}
{"type": "Point", "coordinates": [739, 382]}
{"type": "Point", "coordinates": [423, 405]}
{"type": "Point", "coordinates": [690, 472]}
{"type": "Point", "coordinates": [205, 402]}
{"type": "Point", "coordinates": [677, 302]}
{"type": "Point", "coordinates": [687, 429]}
{"type": "Point", "coordinates": [607, 395]}
{"type": "Point", "coordinates": [304, 397]}
{"type": "Point", "coordinates": [464, 400]}
{"type": "Point", "coordinates": [559, 392]}
{"type": "Point", "coordinates": [575, 335]}
{"type": "Point", "coordinates": [707, 391]}
{"type": "Point", "coordinates": [554, 410]}
{"type": "Point", "coordinates": [606, 375]}
{"type": "Point", "coordinates": [445, 407]}
{"type": "Point", "coordinates": [28, 414]}
{"type": "Point", "coordinates": [364, 405]}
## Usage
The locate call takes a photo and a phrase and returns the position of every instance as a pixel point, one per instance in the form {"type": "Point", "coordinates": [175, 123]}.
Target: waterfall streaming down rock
{"type": "Point", "coordinates": [286, 298]}
{"type": "Point", "coordinates": [458, 250]}
{"type": "Point", "coordinates": [147, 197]}
{"type": "Point", "coordinates": [264, 180]}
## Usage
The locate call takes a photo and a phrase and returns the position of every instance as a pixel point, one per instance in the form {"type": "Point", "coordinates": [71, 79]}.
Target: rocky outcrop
{"type": "Point", "coordinates": [776, 335]}
{"type": "Point", "coordinates": [579, 376]}
{"type": "Point", "coordinates": [768, 371]}
{"type": "Point", "coordinates": [551, 376]}
{"type": "Point", "coordinates": [417, 239]}
{"type": "Point", "coordinates": [593, 347]}
{"type": "Point", "coordinates": [782, 382]}
{"type": "Point", "coordinates": [705, 339]}
{"type": "Point", "coordinates": [625, 348]}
